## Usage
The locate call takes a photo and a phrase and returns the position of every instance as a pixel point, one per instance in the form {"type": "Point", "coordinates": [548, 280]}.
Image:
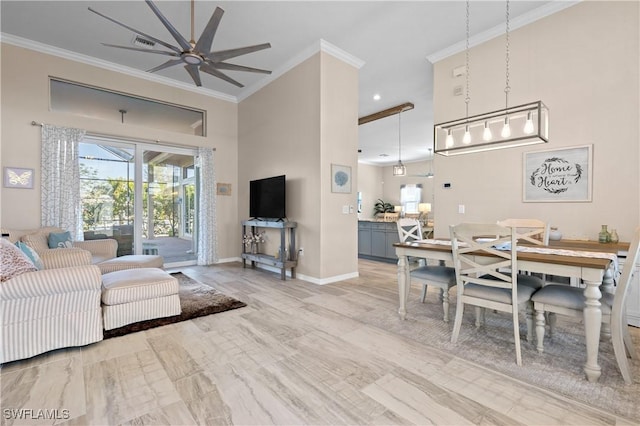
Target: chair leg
{"type": "Point", "coordinates": [516, 335]}
{"type": "Point", "coordinates": [458, 321]}
{"type": "Point", "coordinates": [479, 316]}
{"type": "Point", "coordinates": [553, 318]}
{"type": "Point", "coordinates": [529, 316]}
{"type": "Point", "coordinates": [444, 294]}
{"type": "Point", "coordinates": [628, 341]}
{"type": "Point", "coordinates": [424, 292]}
{"type": "Point", "coordinates": [540, 330]}
{"type": "Point", "coordinates": [617, 338]}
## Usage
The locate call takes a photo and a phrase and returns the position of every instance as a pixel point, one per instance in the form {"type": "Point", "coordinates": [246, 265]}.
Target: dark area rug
{"type": "Point", "coordinates": [196, 300]}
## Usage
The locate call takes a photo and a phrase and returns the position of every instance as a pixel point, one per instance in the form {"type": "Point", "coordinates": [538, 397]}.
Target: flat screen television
{"type": "Point", "coordinates": [267, 198]}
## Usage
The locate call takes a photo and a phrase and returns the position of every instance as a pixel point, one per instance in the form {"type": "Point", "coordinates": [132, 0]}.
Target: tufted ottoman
{"type": "Point", "coordinates": [137, 295]}
{"type": "Point", "coordinates": [131, 261]}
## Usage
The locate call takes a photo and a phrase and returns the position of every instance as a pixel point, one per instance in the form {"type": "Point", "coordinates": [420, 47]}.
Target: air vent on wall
{"type": "Point", "coordinates": [140, 41]}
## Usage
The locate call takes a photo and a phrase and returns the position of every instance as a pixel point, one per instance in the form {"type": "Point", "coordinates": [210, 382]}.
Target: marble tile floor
{"type": "Point", "coordinates": [296, 355]}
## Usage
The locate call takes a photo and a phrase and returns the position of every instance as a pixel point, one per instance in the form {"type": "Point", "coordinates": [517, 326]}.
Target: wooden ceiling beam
{"type": "Point", "coordinates": [386, 113]}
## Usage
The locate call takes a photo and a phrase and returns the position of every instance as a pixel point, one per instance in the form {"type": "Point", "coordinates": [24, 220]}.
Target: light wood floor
{"type": "Point", "coordinates": [295, 355]}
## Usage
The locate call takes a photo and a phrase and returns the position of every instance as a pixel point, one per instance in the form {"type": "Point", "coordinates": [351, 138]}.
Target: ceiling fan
{"type": "Point", "coordinates": [195, 56]}
{"type": "Point", "coordinates": [429, 174]}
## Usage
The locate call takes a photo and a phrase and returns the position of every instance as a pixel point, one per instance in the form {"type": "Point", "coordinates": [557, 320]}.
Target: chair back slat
{"type": "Point", "coordinates": [533, 231]}
{"type": "Point", "coordinates": [622, 289]}
{"type": "Point", "coordinates": [409, 230]}
{"type": "Point", "coordinates": [476, 257]}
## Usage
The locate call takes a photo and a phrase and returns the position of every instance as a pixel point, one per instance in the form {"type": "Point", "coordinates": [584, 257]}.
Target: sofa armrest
{"type": "Point", "coordinates": [65, 257]}
{"type": "Point", "coordinates": [103, 248]}
{"type": "Point", "coordinates": [51, 281]}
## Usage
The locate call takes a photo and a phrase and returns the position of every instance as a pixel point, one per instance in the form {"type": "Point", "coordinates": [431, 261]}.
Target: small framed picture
{"type": "Point", "coordinates": [223, 189]}
{"type": "Point", "coordinates": [15, 177]}
{"type": "Point", "coordinates": [340, 179]}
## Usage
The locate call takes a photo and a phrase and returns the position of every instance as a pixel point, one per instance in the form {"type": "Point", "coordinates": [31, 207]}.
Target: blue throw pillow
{"type": "Point", "coordinates": [31, 254]}
{"type": "Point", "coordinates": [61, 240]}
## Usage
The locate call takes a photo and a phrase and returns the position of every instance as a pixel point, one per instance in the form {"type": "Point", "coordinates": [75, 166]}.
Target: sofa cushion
{"type": "Point", "coordinates": [12, 261]}
{"type": "Point", "coordinates": [138, 284]}
{"type": "Point", "coordinates": [60, 240]}
{"type": "Point", "coordinates": [31, 254]}
{"type": "Point", "coordinates": [37, 241]}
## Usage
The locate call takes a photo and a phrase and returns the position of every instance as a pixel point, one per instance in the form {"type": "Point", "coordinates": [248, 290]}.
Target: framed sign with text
{"type": "Point", "coordinates": [558, 175]}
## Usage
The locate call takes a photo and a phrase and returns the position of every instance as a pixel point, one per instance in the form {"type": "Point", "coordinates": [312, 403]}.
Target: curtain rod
{"type": "Point", "coordinates": [127, 139]}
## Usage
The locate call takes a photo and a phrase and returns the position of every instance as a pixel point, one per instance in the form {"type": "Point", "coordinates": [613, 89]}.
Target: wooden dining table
{"type": "Point", "coordinates": [597, 273]}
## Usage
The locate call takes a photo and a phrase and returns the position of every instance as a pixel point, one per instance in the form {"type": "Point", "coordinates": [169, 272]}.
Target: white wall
{"type": "Point", "coordinates": [583, 63]}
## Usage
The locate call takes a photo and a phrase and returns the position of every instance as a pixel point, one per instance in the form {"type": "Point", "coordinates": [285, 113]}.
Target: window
{"type": "Point", "coordinates": [410, 197]}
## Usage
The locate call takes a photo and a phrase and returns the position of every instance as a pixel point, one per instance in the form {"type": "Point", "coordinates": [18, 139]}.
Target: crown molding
{"type": "Point", "coordinates": [514, 23]}
{"type": "Point", "coordinates": [88, 60]}
{"type": "Point", "coordinates": [316, 47]}
{"type": "Point", "coordinates": [320, 45]}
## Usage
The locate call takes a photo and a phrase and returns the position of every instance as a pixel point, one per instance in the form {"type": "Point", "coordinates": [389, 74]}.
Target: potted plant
{"type": "Point", "coordinates": [381, 207]}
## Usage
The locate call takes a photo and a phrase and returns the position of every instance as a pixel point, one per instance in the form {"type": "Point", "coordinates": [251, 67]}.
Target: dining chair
{"type": "Point", "coordinates": [567, 300]}
{"type": "Point", "coordinates": [439, 276]}
{"type": "Point", "coordinates": [480, 281]}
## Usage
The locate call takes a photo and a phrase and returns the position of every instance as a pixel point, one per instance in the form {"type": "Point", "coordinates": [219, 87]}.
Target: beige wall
{"type": "Point", "coordinates": [25, 98]}
{"type": "Point", "coordinates": [583, 63]}
{"type": "Point", "coordinates": [370, 185]}
{"type": "Point", "coordinates": [298, 125]}
{"type": "Point", "coordinates": [339, 145]}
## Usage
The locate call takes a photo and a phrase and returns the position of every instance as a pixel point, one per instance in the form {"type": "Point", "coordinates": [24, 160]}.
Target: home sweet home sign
{"type": "Point", "coordinates": [559, 175]}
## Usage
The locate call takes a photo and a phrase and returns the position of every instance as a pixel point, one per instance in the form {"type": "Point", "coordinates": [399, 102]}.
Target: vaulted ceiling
{"type": "Point", "coordinates": [393, 39]}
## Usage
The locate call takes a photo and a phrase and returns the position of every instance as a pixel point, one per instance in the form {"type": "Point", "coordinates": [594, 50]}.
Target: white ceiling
{"type": "Point", "coordinates": [392, 38]}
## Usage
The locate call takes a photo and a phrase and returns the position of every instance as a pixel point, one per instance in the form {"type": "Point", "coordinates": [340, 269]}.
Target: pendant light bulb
{"type": "Point", "coordinates": [486, 134]}
{"type": "Point", "coordinates": [528, 125]}
{"type": "Point", "coordinates": [449, 141]}
{"type": "Point", "coordinates": [506, 129]}
{"type": "Point", "coordinates": [466, 139]}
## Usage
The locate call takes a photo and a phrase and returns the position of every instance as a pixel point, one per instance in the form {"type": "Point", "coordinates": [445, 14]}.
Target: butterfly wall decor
{"type": "Point", "coordinates": [18, 178]}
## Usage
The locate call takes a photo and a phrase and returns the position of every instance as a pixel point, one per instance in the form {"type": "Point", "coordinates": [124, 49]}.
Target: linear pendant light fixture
{"type": "Point", "coordinates": [399, 169]}
{"type": "Point", "coordinates": [521, 125]}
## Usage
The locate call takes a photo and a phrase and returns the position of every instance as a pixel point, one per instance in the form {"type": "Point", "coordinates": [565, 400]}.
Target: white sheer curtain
{"type": "Point", "coordinates": [60, 179]}
{"type": "Point", "coordinates": [207, 241]}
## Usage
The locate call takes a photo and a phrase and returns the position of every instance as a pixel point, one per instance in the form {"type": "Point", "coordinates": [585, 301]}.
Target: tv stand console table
{"type": "Point", "coordinates": [282, 262]}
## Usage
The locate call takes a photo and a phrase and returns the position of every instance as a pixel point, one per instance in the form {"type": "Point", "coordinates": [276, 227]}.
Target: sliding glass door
{"type": "Point", "coordinates": [169, 207]}
{"type": "Point", "coordinates": [144, 198]}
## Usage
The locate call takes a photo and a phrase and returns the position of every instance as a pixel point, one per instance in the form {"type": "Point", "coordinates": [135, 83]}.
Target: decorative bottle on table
{"type": "Point", "coordinates": [604, 236]}
{"type": "Point", "coordinates": [614, 236]}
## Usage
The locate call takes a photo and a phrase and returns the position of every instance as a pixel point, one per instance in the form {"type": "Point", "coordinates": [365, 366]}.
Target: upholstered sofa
{"type": "Point", "coordinates": [42, 310]}
{"type": "Point", "coordinates": [82, 252]}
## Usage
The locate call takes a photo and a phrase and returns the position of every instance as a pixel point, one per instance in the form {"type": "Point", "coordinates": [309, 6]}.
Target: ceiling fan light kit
{"type": "Point", "coordinates": [195, 56]}
{"type": "Point", "coordinates": [526, 124]}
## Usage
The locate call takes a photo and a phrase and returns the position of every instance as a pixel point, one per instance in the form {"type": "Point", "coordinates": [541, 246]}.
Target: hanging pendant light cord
{"type": "Point", "coordinates": [399, 137]}
{"type": "Point", "coordinates": [468, 97]}
{"type": "Point", "coordinates": [507, 88]}
{"type": "Point", "coordinates": [193, 40]}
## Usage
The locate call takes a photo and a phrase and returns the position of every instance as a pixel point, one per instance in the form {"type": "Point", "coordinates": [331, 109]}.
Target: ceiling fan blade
{"type": "Point", "coordinates": [214, 72]}
{"type": "Point", "coordinates": [176, 35]}
{"type": "Point", "coordinates": [234, 67]}
{"type": "Point", "coordinates": [194, 73]}
{"type": "Point", "coordinates": [206, 38]}
{"type": "Point", "coordinates": [232, 53]}
{"type": "Point", "coordinates": [169, 63]}
{"type": "Point", "coordinates": [140, 49]}
{"type": "Point", "coordinates": [163, 43]}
